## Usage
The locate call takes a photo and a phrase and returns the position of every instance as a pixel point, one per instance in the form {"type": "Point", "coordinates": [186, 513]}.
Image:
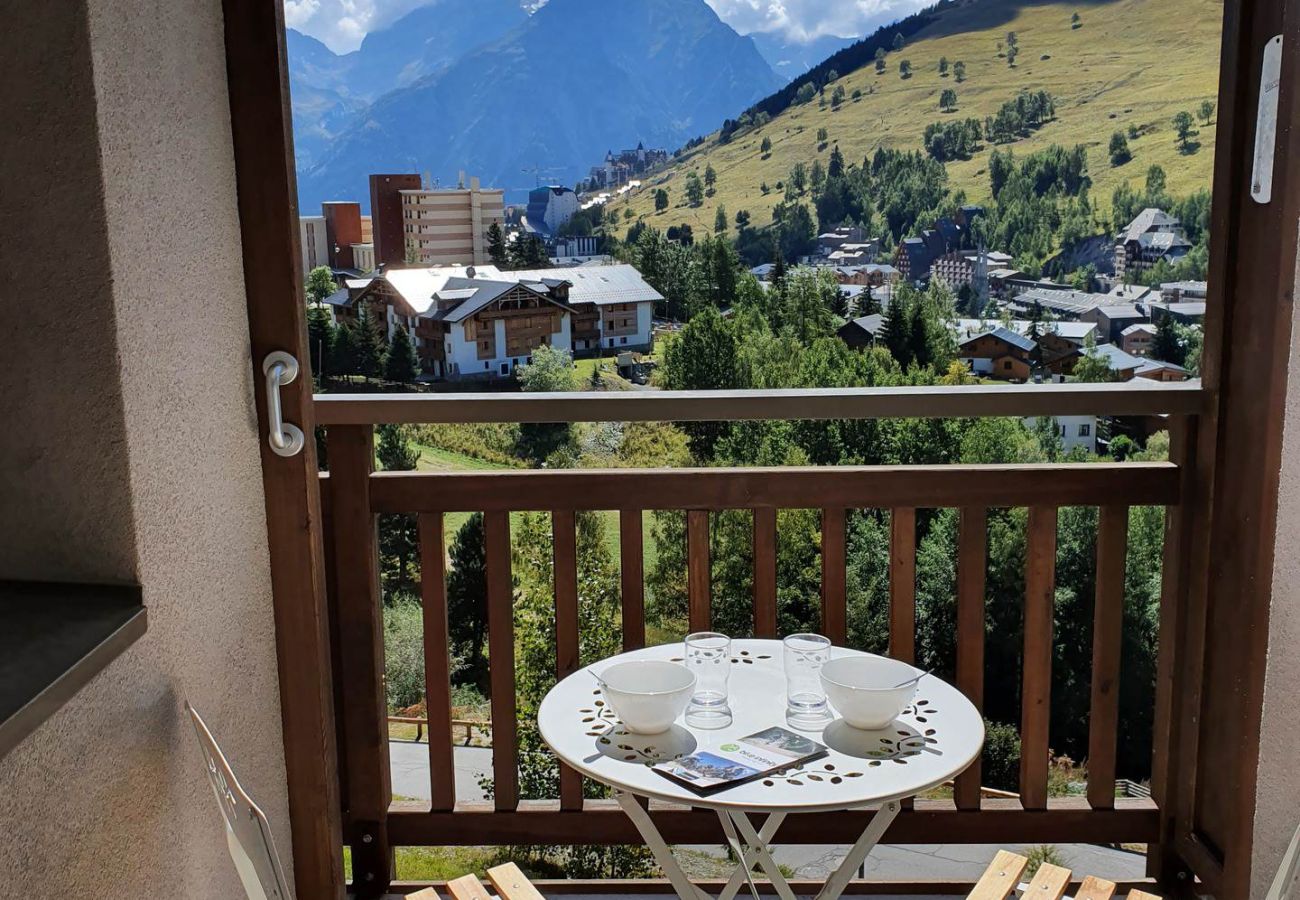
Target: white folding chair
{"type": "Point", "coordinates": [248, 834]}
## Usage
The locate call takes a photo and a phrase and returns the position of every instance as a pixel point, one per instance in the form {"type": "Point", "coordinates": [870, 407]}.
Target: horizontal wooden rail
{"type": "Point", "coordinates": [1132, 398]}
{"type": "Point", "coordinates": [851, 487]}
{"type": "Point", "coordinates": [1066, 820]}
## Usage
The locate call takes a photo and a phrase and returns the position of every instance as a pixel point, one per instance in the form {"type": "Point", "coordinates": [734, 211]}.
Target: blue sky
{"type": "Point", "coordinates": [341, 24]}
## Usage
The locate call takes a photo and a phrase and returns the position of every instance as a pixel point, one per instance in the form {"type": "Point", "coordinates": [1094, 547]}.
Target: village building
{"type": "Point", "coordinates": [1152, 236]}
{"type": "Point", "coordinates": [1184, 291]}
{"type": "Point", "coordinates": [1112, 320]}
{"type": "Point", "coordinates": [1137, 339]}
{"type": "Point", "coordinates": [480, 322]}
{"type": "Point", "coordinates": [861, 332]}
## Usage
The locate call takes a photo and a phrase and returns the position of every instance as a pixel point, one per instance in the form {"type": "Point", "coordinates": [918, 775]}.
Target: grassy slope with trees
{"type": "Point", "coordinates": [1128, 63]}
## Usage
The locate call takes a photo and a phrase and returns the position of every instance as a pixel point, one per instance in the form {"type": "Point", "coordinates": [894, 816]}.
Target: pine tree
{"type": "Point", "coordinates": [835, 168]}
{"type": "Point", "coordinates": [720, 220]}
{"type": "Point", "coordinates": [959, 71]}
{"type": "Point", "coordinates": [766, 146]}
{"type": "Point", "coordinates": [497, 250]}
{"type": "Point", "coordinates": [918, 333]}
{"type": "Point", "coordinates": [369, 345]}
{"type": "Point", "coordinates": [896, 328]}
{"type": "Point", "coordinates": [880, 60]}
{"type": "Point", "coordinates": [661, 200]}
{"type": "Point", "coordinates": [401, 364]}
{"type": "Point", "coordinates": [1165, 346]}
{"type": "Point", "coordinates": [320, 339]}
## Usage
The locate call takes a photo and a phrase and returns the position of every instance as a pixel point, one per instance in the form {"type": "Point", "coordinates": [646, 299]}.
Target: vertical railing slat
{"type": "Point", "coordinates": [765, 572]}
{"type": "Point", "coordinates": [834, 614]}
{"type": "Point", "coordinates": [1107, 638]}
{"type": "Point", "coordinates": [1036, 685]}
{"type": "Point", "coordinates": [697, 570]}
{"type": "Point", "coordinates": [631, 545]}
{"type": "Point", "coordinates": [565, 566]}
{"type": "Point", "coordinates": [437, 661]}
{"type": "Point", "coordinates": [972, 562]}
{"type": "Point", "coordinates": [361, 652]}
{"type": "Point", "coordinates": [501, 660]}
{"type": "Point", "coordinates": [902, 584]}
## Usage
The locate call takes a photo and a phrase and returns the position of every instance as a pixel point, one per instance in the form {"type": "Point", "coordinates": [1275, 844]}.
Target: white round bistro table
{"type": "Point", "coordinates": [934, 739]}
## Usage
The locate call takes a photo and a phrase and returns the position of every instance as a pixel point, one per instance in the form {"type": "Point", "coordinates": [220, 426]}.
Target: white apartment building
{"type": "Point", "coordinates": [311, 240]}
{"type": "Point", "coordinates": [449, 226]}
{"type": "Point", "coordinates": [480, 322]}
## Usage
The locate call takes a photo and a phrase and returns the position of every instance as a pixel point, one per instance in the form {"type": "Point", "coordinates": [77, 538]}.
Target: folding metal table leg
{"type": "Point", "coordinates": [758, 843]}
{"type": "Point", "coordinates": [659, 847]}
{"type": "Point", "coordinates": [841, 877]}
{"type": "Point", "coordinates": [765, 835]}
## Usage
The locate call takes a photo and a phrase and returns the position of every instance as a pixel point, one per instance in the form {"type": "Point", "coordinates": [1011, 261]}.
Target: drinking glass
{"type": "Point", "coordinates": [805, 698]}
{"type": "Point", "coordinates": [708, 655]}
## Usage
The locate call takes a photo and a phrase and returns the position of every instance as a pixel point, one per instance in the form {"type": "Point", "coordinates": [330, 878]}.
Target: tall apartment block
{"type": "Point", "coordinates": [434, 227]}
{"type": "Point", "coordinates": [386, 217]}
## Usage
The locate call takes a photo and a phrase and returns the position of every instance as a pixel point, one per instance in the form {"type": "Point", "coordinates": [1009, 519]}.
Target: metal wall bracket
{"type": "Point", "coordinates": [1270, 84]}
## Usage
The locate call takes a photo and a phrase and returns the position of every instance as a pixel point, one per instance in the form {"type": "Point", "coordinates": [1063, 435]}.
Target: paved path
{"type": "Point", "coordinates": [410, 766]}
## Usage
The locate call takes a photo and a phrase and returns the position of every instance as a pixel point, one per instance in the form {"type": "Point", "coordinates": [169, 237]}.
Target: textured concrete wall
{"type": "Point", "coordinates": [1277, 795]}
{"type": "Point", "coordinates": [137, 452]}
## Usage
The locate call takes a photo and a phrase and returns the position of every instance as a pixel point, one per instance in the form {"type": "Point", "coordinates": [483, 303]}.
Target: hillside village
{"type": "Point", "coordinates": [1029, 276]}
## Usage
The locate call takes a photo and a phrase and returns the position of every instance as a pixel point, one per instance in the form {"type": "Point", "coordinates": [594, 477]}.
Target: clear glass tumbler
{"type": "Point", "coordinates": [805, 698]}
{"type": "Point", "coordinates": [708, 655]}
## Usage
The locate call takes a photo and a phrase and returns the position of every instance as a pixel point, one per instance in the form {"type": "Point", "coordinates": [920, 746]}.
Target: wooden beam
{"type": "Point", "coordinates": [834, 599]}
{"type": "Point", "coordinates": [1036, 685]}
{"type": "Point", "coordinates": [361, 652]}
{"type": "Point", "coordinates": [902, 583]}
{"type": "Point", "coordinates": [501, 660]}
{"type": "Point", "coordinates": [1000, 821]}
{"type": "Point", "coordinates": [1137, 397]}
{"type": "Point", "coordinates": [262, 136]}
{"type": "Point", "coordinates": [631, 549]}
{"type": "Point", "coordinates": [565, 572]}
{"type": "Point", "coordinates": [1107, 642]}
{"type": "Point", "coordinates": [972, 564]}
{"type": "Point", "coordinates": [698, 574]}
{"type": "Point", "coordinates": [437, 660]}
{"type": "Point", "coordinates": [765, 573]}
{"type": "Point", "coordinates": [1066, 484]}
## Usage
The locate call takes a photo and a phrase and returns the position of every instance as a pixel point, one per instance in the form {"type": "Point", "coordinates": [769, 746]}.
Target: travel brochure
{"type": "Point", "coordinates": [736, 762]}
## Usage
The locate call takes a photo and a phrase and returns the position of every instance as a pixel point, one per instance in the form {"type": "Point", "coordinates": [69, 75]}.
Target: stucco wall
{"type": "Point", "coordinates": [1277, 796]}
{"type": "Point", "coordinates": [136, 456]}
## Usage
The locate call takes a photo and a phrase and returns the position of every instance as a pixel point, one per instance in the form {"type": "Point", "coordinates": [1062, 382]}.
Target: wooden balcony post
{"type": "Point", "coordinates": [1107, 641]}
{"type": "Point", "coordinates": [632, 572]}
{"type": "Point", "coordinates": [902, 584]}
{"type": "Point", "coordinates": [361, 654]}
{"type": "Point", "coordinates": [972, 563]}
{"type": "Point", "coordinates": [1036, 686]}
{"type": "Point", "coordinates": [698, 575]}
{"type": "Point", "coordinates": [834, 614]}
{"type": "Point", "coordinates": [501, 660]}
{"type": "Point", "coordinates": [765, 572]}
{"type": "Point", "coordinates": [437, 661]}
{"type": "Point", "coordinates": [565, 572]}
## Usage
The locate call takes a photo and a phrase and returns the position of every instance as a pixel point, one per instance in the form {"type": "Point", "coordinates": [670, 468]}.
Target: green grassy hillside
{"type": "Point", "coordinates": [1130, 62]}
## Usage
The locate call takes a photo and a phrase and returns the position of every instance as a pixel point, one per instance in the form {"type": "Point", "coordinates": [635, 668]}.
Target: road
{"type": "Point", "coordinates": [410, 767]}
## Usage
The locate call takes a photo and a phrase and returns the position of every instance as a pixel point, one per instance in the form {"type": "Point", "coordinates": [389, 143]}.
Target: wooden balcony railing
{"type": "Point", "coordinates": [354, 495]}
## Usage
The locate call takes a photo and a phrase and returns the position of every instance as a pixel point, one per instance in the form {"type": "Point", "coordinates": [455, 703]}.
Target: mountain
{"type": "Point", "coordinates": [328, 90]}
{"type": "Point", "coordinates": [1118, 69]}
{"type": "Point", "coordinates": [789, 58]}
{"type": "Point", "coordinates": [576, 78]}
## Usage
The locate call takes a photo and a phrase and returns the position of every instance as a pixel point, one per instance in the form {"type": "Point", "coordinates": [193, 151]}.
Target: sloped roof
{"type": "Point", "coordinates": [1140, 326]}
{"type": "Point", "coordinates": [1145, 221]}
{"type": "Point", "coordinates": [620, 283]}
{"type": "Point", "coordinates": [1119, 359]}
{"type": "Point", "coordinates": [1006, 335]}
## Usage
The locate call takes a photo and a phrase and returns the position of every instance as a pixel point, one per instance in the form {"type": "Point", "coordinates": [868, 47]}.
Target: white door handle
{"type": "Point", "coordinates": [285, 438]}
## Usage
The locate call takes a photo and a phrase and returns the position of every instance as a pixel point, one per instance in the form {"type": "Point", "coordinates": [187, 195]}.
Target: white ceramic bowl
{"type": "Point", "coordinates": [861, 688]}
{"type": "Point", "coordinates": [649, 694]}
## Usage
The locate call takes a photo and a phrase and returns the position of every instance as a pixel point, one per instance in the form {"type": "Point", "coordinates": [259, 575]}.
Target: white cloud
{"type": "Point", "coordinates": [341, 24]}
{"type": "Point", "coordinates": [805, 20]}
